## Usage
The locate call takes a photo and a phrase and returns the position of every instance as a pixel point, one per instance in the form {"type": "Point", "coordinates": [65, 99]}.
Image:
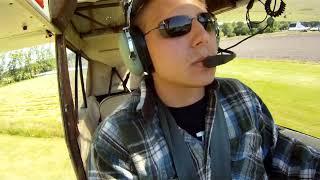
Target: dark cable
{"type": "Point", "coordinates": [247, 38]}
{"type": "Point", "coordinates": [274, 6]}
{"type": "Point", "coordinates": [261, 2]}
{"type": "Point", "coordinates": [248, 19]}
{"type": "Point", "coordinates": [271, 13]}
{"type": "Point", "coordinates": [274, 13]}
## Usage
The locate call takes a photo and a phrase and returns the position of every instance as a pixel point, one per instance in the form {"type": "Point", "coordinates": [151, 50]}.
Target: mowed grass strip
{"type": "Point", "coordinates": [31, 108]}
{"type": "Point", "coordinates": [289, 89]}
{"type": "Point", "coordinates": [34, 158]}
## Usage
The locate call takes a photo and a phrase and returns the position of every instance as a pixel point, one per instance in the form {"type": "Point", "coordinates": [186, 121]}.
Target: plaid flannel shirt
{"type": "Point", "coordinates": [130, 144]}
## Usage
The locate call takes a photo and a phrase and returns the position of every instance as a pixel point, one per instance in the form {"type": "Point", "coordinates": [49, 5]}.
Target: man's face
{"type": "Point", "coordinates": [177, 60]}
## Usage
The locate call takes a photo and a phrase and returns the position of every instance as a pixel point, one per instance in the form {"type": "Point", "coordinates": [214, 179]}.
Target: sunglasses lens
{"type": "Point", "coordinates": [176, 26]}
{"type": "Point", "coordinates": [207, 21]}
{"type": "Point", "coordinates": [181, 25]}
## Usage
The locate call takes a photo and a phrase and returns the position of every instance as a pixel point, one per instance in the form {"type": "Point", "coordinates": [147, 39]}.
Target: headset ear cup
{"type": "Point", "coordinates": [130, 59]}
{"type": "Point", "coordinates": [143, 52]}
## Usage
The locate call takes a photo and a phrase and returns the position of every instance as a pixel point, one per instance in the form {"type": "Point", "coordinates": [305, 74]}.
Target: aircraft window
{"type": "Point", "coordinates": [289, 71]}
{"type": "Point", "coordinates": [292, 25]}
{"type": "Point", "coordinates": [78, 75]}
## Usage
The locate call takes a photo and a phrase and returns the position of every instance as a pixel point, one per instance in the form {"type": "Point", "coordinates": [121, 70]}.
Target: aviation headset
{"type": "Point", "coordinates": [132, 45]}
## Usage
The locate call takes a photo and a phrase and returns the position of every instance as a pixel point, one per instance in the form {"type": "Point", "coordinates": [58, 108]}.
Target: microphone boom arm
{"type": "Point", "coordinates": [219, 59]}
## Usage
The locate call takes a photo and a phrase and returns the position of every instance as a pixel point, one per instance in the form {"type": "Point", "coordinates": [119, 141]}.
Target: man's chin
{"type": "Point", "coordinates": [201, 83]}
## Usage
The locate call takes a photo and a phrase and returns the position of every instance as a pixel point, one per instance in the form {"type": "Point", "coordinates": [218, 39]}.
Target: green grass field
{"type": "Point", "coordinates": [290, 90]}
{"type": "Point", "coordinates": [34, 158]}
{"type": "Point", "coordinates": [296, 10]}
{"type": "Point", "coordinates": [31, 108]}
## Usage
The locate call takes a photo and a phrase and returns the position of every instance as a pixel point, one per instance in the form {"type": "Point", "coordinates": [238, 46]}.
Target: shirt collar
{"type": "Point", "coordinates": [147, 102]}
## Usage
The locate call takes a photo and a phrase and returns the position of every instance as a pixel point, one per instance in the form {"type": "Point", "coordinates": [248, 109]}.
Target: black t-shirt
{"type": "Point", "coordinates": [192, 117]}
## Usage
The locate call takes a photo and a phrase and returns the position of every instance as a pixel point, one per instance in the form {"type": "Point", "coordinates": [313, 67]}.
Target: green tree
{"type": "Point", "coordinates": [26, 63]}
{"type": "Point", "coordinates": [227, 29]}
{"type": "Point", "coordinates": [44, 59]}
{"type": "Point", "coordinates": [15, 63]}
{"type": "Point", "coordinates": [241, 29]}
{"type": "Point", "coordinates": [2, 66]}
{"type": "Point", "coordinates": [27, 68]}
{"type": "Point", "coordinates": [283, 25]}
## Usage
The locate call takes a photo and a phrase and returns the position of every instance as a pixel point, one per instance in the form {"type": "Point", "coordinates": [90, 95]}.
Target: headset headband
{"type": "Point", "coordinates": [131, 8]}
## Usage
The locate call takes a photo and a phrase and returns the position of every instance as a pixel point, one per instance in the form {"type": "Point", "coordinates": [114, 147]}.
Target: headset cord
{"type": "Point", "coordinates": [270, 20]}
{"type": "Point", "coordinates": [259, 32]}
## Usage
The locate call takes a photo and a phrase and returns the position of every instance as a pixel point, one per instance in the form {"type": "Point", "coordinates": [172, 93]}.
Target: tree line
{"type": "Point", "coordinates": [25, 64]}
{"type": "Point", "coordinates": [241, 28]}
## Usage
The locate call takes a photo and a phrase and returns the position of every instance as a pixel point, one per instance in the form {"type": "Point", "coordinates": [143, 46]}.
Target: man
{"type": "Point", "coordinates": [183, 122]}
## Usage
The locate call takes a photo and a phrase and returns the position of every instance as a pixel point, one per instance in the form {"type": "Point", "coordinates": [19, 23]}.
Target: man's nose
{"type": "Point", "coordinates": [200, 35]}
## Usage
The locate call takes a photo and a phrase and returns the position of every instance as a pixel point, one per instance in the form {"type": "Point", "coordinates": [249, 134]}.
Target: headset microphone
{"type": "Point", "coordinates": [217, 60]}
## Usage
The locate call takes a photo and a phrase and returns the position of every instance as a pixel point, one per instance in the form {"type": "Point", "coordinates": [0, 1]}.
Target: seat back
{"type": "Point", "coordinates": [94, 113]}
{"type": "Point", "coordinates": [88, 122]}
{"type": "Point", "coordinates": [109, 104]}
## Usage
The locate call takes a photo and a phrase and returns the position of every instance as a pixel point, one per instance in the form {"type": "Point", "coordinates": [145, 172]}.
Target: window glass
{"type": "Point", "coordinates": [71, 56]}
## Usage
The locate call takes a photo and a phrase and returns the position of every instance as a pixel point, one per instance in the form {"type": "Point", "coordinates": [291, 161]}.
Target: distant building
{"type": "Point", "coordinates": [298, 27]}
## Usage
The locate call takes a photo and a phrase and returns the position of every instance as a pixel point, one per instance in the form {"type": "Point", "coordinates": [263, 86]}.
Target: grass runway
{"type": "Point", "coordinates": [289, 89]}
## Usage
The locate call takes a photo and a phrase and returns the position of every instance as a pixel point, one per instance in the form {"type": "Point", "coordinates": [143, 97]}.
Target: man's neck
{"type": "Point", "coordinates": [174, 95]}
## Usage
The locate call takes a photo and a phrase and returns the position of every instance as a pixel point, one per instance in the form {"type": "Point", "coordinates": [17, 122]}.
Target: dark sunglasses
{"type": "Point", "coordinates": [180, 25]}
